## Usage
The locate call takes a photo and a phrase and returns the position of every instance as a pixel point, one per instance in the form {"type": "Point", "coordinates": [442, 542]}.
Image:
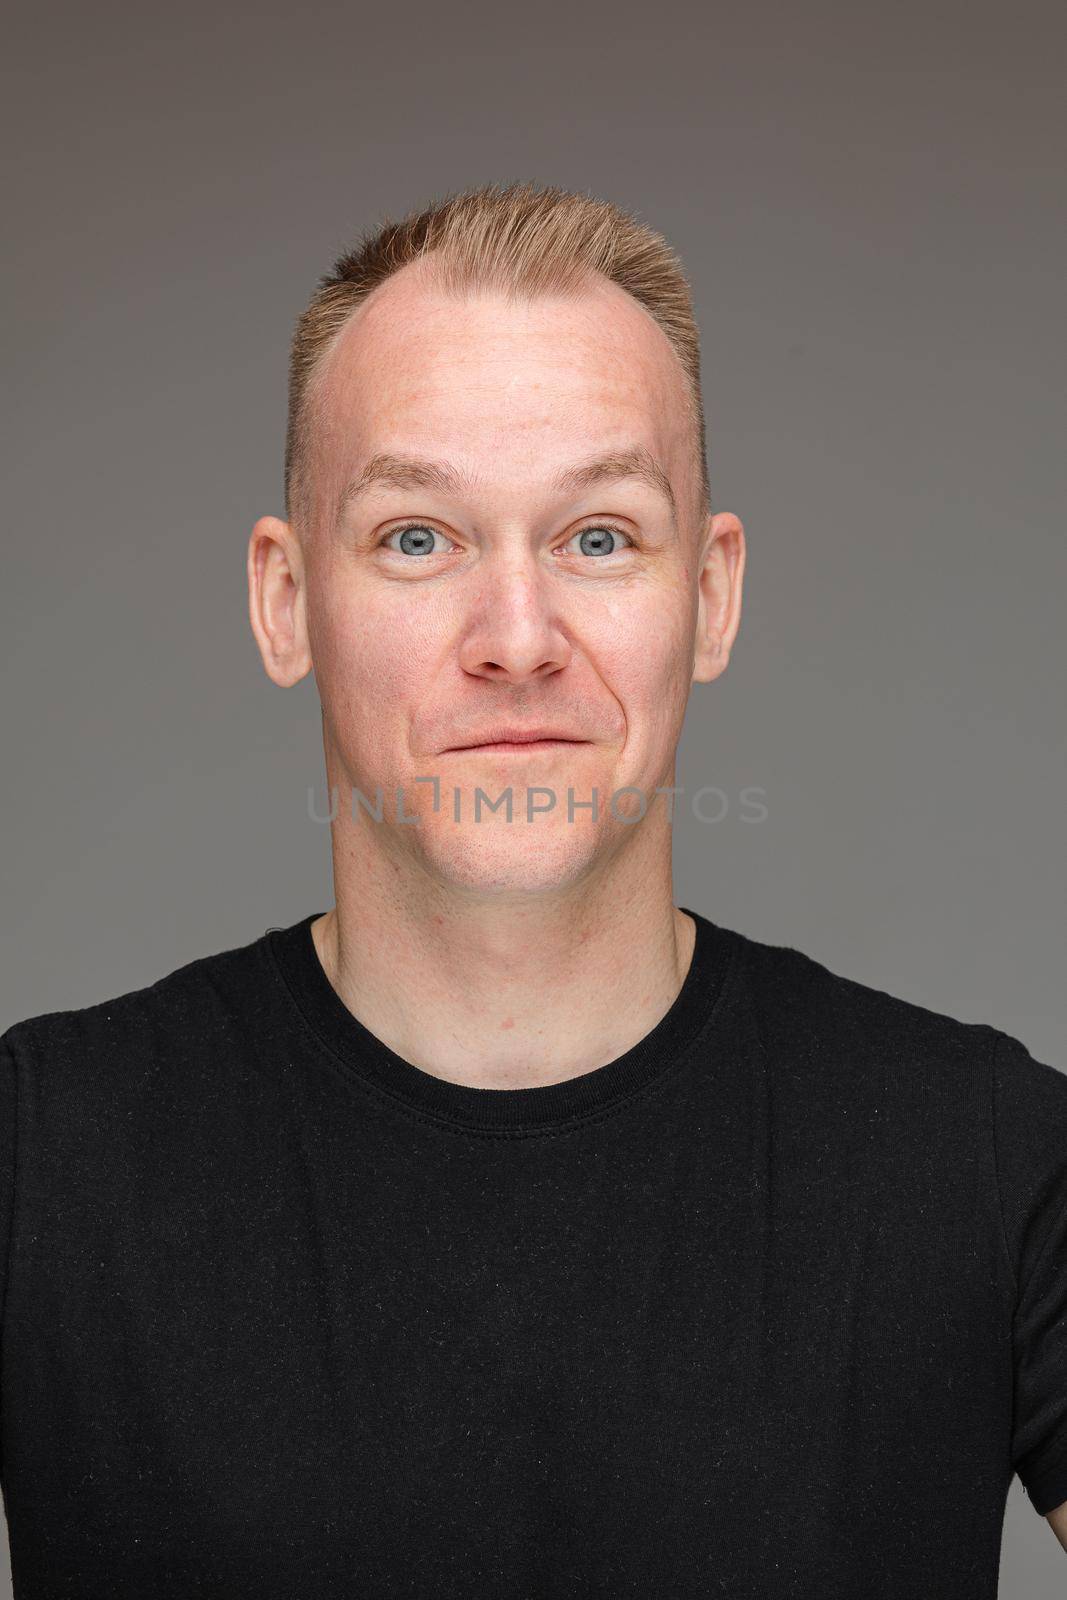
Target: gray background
{"type": "Point", "coordinates": [868, 200]}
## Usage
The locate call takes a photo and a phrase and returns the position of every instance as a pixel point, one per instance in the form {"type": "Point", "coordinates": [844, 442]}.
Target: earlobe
{"type": "Point", "coordinates": [276, 608]}
{"type": "Point", "coordinates": [708, 663]}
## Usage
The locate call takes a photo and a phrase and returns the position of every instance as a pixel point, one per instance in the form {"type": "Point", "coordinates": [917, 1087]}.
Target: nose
{"type": "Point", "coordinates": [513, 632]}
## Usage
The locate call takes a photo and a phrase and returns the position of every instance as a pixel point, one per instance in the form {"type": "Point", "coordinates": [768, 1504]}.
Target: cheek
{"type": "Point", "coordinates": [368, 648]}
{"type": "Point", "coordinates": [643, 652]}
{"type": "Point", "coordinates": [646, 632]}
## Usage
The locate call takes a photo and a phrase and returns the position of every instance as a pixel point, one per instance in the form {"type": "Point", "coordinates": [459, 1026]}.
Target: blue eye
{"type": "Point", "coordinates": [594, 540]}
{"type": "Point", "coordinates": [415, 540]}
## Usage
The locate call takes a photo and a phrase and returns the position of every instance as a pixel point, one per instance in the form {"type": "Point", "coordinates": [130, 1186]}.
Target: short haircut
{"type": "Point", "coordinates": [519, 238]}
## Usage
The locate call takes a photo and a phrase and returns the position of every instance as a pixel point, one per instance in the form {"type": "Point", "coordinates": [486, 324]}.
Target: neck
{"type": "Point", "coordinates": [512, 990]}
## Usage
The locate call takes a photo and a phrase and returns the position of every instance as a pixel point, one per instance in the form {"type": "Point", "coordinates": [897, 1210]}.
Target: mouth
{"type": "Point", "coordinates": [516, 746]}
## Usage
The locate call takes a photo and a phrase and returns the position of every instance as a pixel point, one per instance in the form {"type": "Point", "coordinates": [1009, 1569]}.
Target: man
{"type": "Point", "coordinates": [507, 1230]}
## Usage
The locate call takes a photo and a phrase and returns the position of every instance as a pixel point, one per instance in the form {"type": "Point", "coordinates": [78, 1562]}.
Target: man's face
{"type": "Point", "coordinates": [443, 614]}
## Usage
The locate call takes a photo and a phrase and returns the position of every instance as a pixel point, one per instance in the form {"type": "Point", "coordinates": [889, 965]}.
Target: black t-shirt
{"type": "Point", "coordinates": [771, 1305]}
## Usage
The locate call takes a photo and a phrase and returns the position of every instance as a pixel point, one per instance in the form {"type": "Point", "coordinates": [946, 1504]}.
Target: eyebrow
{"type": "Point", "coordinates": [387, 470]}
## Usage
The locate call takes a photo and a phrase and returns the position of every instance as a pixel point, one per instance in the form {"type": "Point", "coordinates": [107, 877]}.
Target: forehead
{"type": "Point", "coordinates": [489, 377]}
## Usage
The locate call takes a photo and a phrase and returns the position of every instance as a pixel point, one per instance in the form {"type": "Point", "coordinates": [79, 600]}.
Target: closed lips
{"type": "Point", "coordinates": [517, 736]}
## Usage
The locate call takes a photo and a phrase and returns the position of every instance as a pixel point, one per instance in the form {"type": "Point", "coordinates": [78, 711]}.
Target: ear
{"type": "Point", "coordinates": [722, 570]}
{"type": "Point", "coordinates": [276, 601]}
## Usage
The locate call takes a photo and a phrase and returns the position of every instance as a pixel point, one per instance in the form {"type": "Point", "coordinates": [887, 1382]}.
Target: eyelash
{"type": "Point", "coordinates": [600, 522]}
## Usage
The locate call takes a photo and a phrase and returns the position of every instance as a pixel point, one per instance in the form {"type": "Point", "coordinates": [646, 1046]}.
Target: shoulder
{"type": "Point", "coordinates": [183, 1009]}
{"type": "Point", "coordinates": [803, 1004]}
{"type": "Point", "coordinates": [849, 1044]}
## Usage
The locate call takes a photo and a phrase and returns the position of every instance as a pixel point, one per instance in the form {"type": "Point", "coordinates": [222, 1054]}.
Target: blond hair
{"type": "Point", "coordinates": [514, 237]}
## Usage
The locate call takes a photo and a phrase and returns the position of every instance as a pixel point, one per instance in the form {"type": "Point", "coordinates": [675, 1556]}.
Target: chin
{"type": "Point", "coordinates": [510, 858]}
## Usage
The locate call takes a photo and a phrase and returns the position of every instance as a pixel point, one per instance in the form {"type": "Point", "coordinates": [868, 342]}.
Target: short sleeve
{"type": "Point", "coordinates": [8, 1123]}
{"type": "Point", "coordinates": [1030, 1133]}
